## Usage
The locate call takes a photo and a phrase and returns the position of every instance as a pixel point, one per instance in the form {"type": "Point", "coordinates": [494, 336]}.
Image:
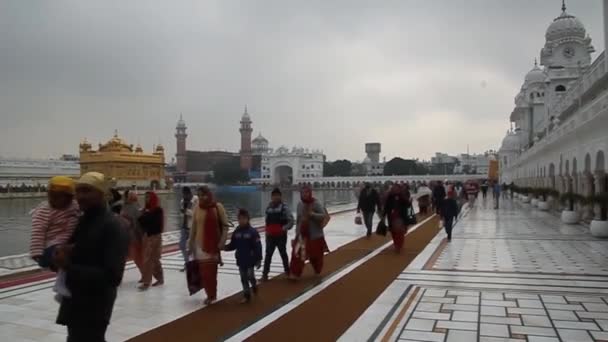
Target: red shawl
{"type": "Point", "coordinates": [211, 232]}
{"type": "Point", "coordinates": [153, 203]}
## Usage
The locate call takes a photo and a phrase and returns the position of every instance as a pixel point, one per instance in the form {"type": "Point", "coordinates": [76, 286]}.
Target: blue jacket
{"type": "Point", "coordinates": [246, 241]}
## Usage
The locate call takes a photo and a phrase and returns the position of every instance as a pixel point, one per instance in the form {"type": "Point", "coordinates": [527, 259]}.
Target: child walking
{"type": "Point", "coordinates": [53, 222]}
{"type": "Point", "coordinates": [246, 241]}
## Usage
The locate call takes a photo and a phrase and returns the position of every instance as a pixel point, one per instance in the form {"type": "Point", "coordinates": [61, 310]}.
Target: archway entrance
{"type": "Point", "coordinates": [283, 175]}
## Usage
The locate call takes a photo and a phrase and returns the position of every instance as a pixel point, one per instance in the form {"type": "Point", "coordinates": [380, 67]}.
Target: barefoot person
{"type": "Point", "coordinates": [187, 204]}
{"type": "Point", "coordinates": [207, 239]}
{"type": "Point", "coordinates": [279, 220]}
{"type": "Point", "coordinates": [450, 213]}
{"type": "Point", "coordinates": [131, 212]}
{"type": "Point", "coordinates": [310, 240]}
{"type": "Point", "coordinates": [152, 221]}
{"type": "Point", "coordinates": [369, 201]}
{"type": "Point", "coordinates": [397, 211]}
{"type": "Point", "coordinates": [94, 263]}
{"type": "Point", "coordinates": [246, 241]}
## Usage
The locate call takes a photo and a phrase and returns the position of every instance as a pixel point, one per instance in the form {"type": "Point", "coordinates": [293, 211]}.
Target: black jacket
{"type": "Point", "coordinates": [439, 193]}
{"type": "Point", "coordinates": [151, 221]}
{"type": "Point", "coordinates": [95, 269]}
{"type": "Point", "coordinates": [450, 208]}
{"type": "Point", "coordinates": [403, 208]}
{"type": "Point", "coordinates": [369, 201]}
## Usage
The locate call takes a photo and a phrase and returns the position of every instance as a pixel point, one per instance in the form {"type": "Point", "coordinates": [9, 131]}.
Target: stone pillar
{"type": "Point", "coordinates": [600, 180]}
{"type": "Point", "coordinates": [589, 189]}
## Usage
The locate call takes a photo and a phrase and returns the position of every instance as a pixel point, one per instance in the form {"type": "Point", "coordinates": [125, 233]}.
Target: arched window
{"type": "Point", "coordinates": [560, 88]}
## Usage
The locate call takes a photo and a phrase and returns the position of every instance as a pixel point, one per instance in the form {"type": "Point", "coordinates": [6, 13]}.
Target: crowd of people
{"type": "Point", "coordinates": [85, 231]}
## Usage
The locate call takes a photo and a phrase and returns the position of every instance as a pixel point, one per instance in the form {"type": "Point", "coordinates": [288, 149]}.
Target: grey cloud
{"type": "Point", "coordinates": [324, 74]}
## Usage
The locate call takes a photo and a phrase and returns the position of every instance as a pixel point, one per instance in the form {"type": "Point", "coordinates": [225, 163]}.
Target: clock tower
{"type": "Point", "coordinates": [567, 44]}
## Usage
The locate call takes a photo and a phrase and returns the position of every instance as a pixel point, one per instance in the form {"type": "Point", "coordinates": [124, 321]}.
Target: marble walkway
{"type": "Point", "coordinates": [28, 311]}
{"type": "Point", "coordinates": [513, 274]}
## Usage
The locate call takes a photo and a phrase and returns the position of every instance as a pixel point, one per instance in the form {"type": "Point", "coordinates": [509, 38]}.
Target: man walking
{"type": "Point", "coordinates": [94, 262]}
{"type": "Point", "coordinates": [369, 200]}
{"type": "Point", "coordinates": [496, 190]}
{"type": "Point", "coordinates": [279, 220]}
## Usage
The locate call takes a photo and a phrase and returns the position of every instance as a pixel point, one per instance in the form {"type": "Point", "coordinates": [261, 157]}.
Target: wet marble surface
{"type": "Point", "coordinates": [28, 311]}
{"type": "Point", "coordinates": [513, 274]}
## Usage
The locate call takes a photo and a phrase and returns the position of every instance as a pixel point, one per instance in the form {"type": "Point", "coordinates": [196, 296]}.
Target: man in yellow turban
{"type": "Point", "coordinates": [94, 263]}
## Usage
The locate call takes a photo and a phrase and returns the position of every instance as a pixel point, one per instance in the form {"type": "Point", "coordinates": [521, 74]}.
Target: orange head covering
{"type": "Point", "coordinates": [62, 184]}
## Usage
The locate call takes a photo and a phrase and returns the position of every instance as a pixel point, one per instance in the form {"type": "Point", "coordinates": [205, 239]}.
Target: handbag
{"type": "Point", "coordinates": [411, 216]}
{"type": "Point", "coordinates": [381, 228]}
{"type": "Point", "coordinates": [193, 277]}
{"type": "Point", "coordinates": [358, 220]}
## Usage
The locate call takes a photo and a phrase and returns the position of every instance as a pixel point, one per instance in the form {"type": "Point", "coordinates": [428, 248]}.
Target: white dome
{"type": "Point", "coordinates": [510, 142]}
{"type": "Point", "coordinates": [536, 75]}
{"type": "Point", "coordinates": [565, 26]}
{"type": "Point", "coordinates": [260, 140]}
{"type": "Point", "coordinates": [367, 160]}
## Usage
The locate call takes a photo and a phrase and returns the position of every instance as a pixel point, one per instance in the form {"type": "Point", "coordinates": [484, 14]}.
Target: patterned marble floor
{"type": "Point", "coordinates": [28, 311]}
{"type": "Point", "coordinates": [514, 274]}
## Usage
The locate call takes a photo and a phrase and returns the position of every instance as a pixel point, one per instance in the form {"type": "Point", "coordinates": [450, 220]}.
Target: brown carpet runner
{"type": "Point", "coordinates": [227, 317]}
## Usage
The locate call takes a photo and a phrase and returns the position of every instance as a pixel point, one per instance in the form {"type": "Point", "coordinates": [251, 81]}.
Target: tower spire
{"type": "Point", "coordinates": [246, 109]}
{"type": "Point", "coordinates": [181, 117]}
{"type": "Point", "coordinates": [535, 62]}
{"type": "Point", "coordinates": [563, 5]}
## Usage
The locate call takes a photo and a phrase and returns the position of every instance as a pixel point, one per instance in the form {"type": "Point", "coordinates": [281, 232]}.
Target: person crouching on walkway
{"type": "Point", "coordinates": [450, 213]}
{"type": "Point", "coordinates": [131, 212]}
{"type": "Point", "coordinates": [397, 211]}
{"type": "Point", "coordinates": [279, 220]}
{"type": "Point", "coordinates": [310, 240]}
{"type": "Point", "coordinates": [152, 222]}
{"type": "Point", "coordinates": [207, 239]}
{"type": "Point", "coordinates": [246, 241]}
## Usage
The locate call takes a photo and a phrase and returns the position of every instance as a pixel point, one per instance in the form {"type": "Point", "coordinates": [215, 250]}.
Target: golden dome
{"type": "Point", "coordinates": [115, 144]}
{"type": "Point", "coordinates": [139, 149]}
{"type": "Point", "coordinates": [159, 149]}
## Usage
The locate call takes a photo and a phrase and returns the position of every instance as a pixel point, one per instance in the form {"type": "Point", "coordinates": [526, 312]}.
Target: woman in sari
{"type": "Point", "coordinates": [310, 240]}
{"type": "Point", "coordinates": [131, 212]}
{"type": "Point", "coordinates": [207, 239]}
{"type": "Point", "coordinates": [397, 211]}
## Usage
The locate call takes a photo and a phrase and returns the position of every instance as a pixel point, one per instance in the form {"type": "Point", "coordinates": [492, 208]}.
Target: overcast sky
{"type": "Point", "coordinates": [417, 76]}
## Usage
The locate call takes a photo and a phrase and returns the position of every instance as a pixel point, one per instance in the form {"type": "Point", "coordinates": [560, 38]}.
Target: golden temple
{"type": "Point", "coordinates": [125, 165]}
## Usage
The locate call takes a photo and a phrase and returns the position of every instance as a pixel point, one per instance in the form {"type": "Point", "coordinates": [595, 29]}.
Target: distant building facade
{"type": "Point", "coordinates": [558, 128]}
{"type": "Point", "coordinates": [285, 167]}
{"type": "Point", "coordinates": [35, 172]}
{"type": "Point", "coordinates": [125, 165]}
{"type": "Point", "coordinates": [372, 164]}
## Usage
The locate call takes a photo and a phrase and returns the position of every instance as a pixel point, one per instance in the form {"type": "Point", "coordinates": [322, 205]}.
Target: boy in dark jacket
{"type": "Point", "coordinates": [246, 241]}
{"type": "Point", "coordinates": [449, 213]}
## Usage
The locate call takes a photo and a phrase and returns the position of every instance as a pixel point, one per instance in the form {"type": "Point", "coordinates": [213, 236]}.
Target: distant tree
{"type": "Point", "coordinates": [338, 168]}
{"type": "Point", "coordinates": [401, 167]}
{"type": "Point", "coordinates": [229, 172]}
{"type": "Point", "coordinates": [358, 170]}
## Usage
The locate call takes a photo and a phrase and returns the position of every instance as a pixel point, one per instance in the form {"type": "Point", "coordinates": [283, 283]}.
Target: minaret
{"type": "Point", "coordinates": [180, 155]}
{"type": "Point", "coordinates": [246, 130]}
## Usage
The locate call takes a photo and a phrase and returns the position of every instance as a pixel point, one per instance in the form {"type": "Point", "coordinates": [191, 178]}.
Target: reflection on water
{"type": "Point", "coordinates": [15, 221]}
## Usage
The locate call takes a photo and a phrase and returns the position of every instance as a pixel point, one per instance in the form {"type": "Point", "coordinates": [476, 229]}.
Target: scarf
{"type": "Point", "coordinates": [308, 200]}
{"type": "Point", "coordinates": [211, 232]}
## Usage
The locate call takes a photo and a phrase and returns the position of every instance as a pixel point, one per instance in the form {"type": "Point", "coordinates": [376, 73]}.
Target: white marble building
{"type": "Point", "coordinates": [283, 166]}
{"type": "Point", "coordinates": [559, 134]}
